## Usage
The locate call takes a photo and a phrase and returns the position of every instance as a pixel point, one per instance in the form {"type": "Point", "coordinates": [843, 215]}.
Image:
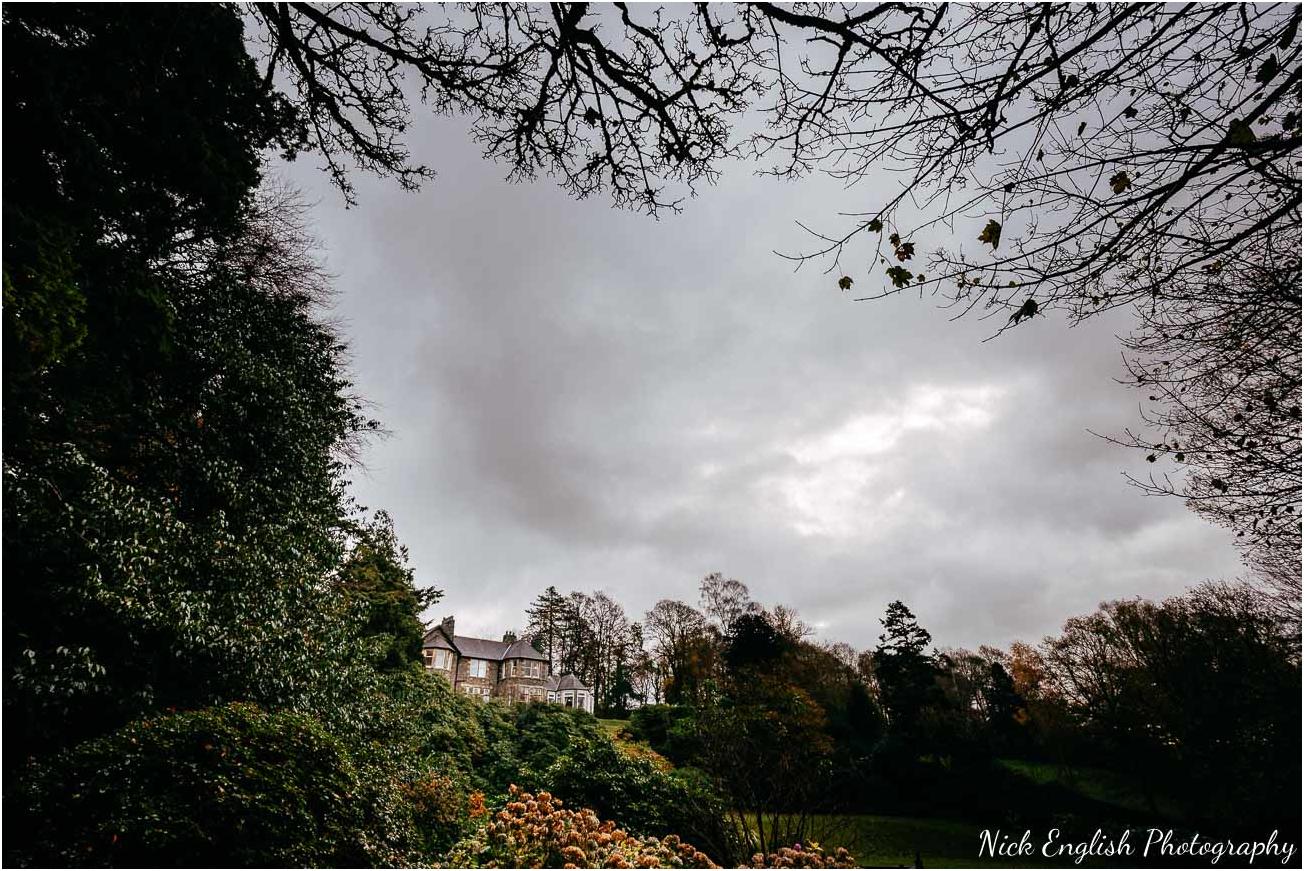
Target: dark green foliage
{"type": "Point", "coordinates": [230, 786]}
{"type": "Point", "coordinates": [670, 730]}
{"type": "Point", "coordinates": [641, 797]}
{"type": "Point", "coordinates": [752, 642]}
{"type": "Point", "coordinates": [906, 676]}
{"type": "Point", "coordinates": [378, 582]}
{"type": "Point", "coordinates": [187, 569]}
{"type": "Point", "coordinates": [128, 135]}
{"type": "Point", "coordinates": [172, 422]}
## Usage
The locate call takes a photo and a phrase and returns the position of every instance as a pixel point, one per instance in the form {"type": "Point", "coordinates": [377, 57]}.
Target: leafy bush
{"type": "Point", "coordinates": [670, 730]}
{"type": "Point", "coordinates": [536, 831]}
{"type": "Point", "coordinates": [233, 785]}
{"type": "Point", "coordinates": [640, 796]}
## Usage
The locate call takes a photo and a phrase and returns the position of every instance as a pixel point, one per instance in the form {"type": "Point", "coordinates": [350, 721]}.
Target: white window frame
{"type": "Point", "coordinates": [477, 668]}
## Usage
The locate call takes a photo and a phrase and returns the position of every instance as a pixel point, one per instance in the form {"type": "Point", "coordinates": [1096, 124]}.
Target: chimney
{"type": "Point", "coordinates": [509, 637]}
{"type": "Point", "coordinates": [447, 625]}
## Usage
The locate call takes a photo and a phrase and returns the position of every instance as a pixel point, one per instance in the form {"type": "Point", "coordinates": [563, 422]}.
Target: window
{"type": "Point", "coordinates": [477, 667]}
{"type": "Point", "coordinates": [522, 668]}
{"type": "Point", "coordinates": [436, 658]}
{"type": "Point", "coordinates": [476, 691]}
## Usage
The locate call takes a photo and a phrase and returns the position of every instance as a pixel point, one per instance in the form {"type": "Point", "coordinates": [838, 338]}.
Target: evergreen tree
{"type": "Point", "coordinates": [906, 676]}
{"type": "Point", "coordinates": [547, 617]}
{"type": "Point", "coordinates": [378, 582]}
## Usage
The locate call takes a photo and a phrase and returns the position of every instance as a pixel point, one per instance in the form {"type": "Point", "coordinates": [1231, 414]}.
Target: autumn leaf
{"type": "Point", "coordinates": [1239, 133]}
{"type": "Point", "coordinates": [905, 251]}
{"type": "Point", "coordinates": [875, 226]}
{"type": "Point", "coordinates": [1081, 127]}
{"type": "Point", "coordinates": [844, 283]}
{"type": "Point", "coordinates": [1120, 181]}
{"type": "Point", "coordinates": [900, 275]}
{"type": "Point", "coordinates": [1027, 310]}
{"type": "Point", "coordinates": [991, 234]}
{"type": "Point", "coordinates": [1268, 71]}
{"type": "Point", "coordinates": [894, 239]}
{"type": "Point", "coordinates": [1129, 112]}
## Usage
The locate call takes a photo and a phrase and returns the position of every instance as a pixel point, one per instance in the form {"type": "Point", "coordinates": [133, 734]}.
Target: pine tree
{"type": "Point", "coordinates": [546, 621]}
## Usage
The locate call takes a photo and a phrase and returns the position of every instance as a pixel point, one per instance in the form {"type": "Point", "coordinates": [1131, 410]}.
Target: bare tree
{"type": "Point", "coordinates": [1219, 362]}
{"type": "Point", "coordinates": [724, 600]}
{"type": "Point", "coordinates": [677, 633]}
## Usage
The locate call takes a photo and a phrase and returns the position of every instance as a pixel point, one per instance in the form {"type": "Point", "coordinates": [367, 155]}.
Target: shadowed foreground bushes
{"type": "Point", "coordinates": [234, 785]}
{"type": "Point", "coordinates": [238, 785]}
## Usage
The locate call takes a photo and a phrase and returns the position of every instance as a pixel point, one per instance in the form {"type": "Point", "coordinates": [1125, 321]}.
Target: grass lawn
{"type": "Point", "coordinates": [885, 841]}
{"type": "Point", "coordinates": [637, 749]}
{"type": "Point", "coordinates": [1109, 787]}
{"type": "Point", "coordinates": [891, 842]}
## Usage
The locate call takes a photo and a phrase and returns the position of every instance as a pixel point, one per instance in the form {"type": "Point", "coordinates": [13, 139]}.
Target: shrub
{"type": "Point", "coordinates": [640, 796]}
{"type": "Point", "coordinates": [798, 856]}
{"type": "Point", "coordinates": [670, 730]}
{"type": "Point", "coordinates": [442, 811]}
{"type": "Point", "coordinates": [537, 831]}
{"type": "Point", "coordinates": [233, 785]}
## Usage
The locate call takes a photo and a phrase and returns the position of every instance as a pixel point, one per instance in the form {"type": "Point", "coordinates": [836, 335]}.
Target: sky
{"type": "Point", "coordinates": [598, 400]}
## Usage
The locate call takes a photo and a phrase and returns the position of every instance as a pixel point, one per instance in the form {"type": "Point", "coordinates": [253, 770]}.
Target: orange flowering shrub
{"type": "Point", "coordinates": [536, 831]}
{"type": "Point", "coordinates": [809, 856]}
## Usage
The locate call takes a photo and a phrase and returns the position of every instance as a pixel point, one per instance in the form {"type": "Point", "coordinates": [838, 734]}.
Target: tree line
{"type": "Point", "coordinates": [1192, 699]}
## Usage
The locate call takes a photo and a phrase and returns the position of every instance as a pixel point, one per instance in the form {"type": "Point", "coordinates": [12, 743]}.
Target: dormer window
{"type": "Point", "coordinates": [435, 657]}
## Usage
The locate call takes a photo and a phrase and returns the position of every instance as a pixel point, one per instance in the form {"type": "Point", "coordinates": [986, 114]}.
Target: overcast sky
{"type": "Point", "coordinates": [597, 400]}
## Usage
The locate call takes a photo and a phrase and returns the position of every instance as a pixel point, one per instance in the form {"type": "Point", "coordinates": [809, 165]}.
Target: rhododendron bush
{"type": "Point", "coordinates": [538, 831]}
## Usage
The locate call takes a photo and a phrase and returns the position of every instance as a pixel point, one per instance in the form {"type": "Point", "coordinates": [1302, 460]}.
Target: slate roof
{"type": "Point", "coordinates": [479, 648]}
{"type": "Point", "coordinates": [483, 648]}
{"type": "Point", "coordinates": [523, 649]}
{"type": "Point", "coordinates": [435, 638]}
{"type": "Point", "coordinates": [565, 682]}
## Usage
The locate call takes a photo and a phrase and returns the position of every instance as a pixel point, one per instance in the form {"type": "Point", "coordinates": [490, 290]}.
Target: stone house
{"type": "Point", "coordinates": [510, 669]}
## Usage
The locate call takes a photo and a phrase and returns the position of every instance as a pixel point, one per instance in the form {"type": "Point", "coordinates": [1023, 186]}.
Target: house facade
{"type": "Point", "coordinates": [510, 669]}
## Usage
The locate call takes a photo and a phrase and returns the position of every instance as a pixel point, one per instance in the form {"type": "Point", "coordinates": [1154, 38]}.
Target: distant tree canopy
{"type": "Point", "coordinates": [1083, 156]}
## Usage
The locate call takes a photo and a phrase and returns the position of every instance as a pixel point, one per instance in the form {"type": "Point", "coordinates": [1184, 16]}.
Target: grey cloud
{"type": "Point", "coordinates": [597, 400]}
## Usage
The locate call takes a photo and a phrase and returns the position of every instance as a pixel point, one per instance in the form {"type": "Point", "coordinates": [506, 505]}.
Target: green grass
{"type": "Point", "coordinates": [1098, 784]}
{"type": "Point", "coordinates": [613, 727]}
{"type": "Point", "coordinates": [617, 731]}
